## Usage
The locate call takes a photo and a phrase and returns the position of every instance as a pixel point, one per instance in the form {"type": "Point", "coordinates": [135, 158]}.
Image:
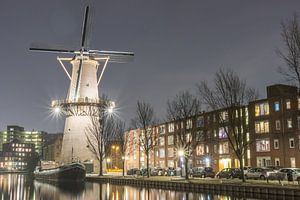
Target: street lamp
{"type": "Point", "coordinates": [57, 110]}
{"type": "Point", "coordinates": [181, 155]}
{"type": "Point", "coordinates": [111, 107]}
{"type": "Point", "coordinates": [108, 160]}
{"type": "Point", "coordinates": [207, 161]}
{"type": "Point", "coordinates": [180, 152]}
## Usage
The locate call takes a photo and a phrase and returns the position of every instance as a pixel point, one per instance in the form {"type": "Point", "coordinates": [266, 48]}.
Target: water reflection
{"type": "Point", "coordinates": [19, 187]}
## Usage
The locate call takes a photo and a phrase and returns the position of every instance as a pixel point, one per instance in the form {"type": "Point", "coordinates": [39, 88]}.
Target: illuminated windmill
{"type": "Point", "coordinates": [82, 97]}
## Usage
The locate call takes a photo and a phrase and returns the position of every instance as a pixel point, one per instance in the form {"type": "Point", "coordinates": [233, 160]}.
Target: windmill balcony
{"type": "Point", "coordinates": [79, 101]}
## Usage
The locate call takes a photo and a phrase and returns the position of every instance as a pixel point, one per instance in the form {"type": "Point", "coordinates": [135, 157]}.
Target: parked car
{"type": "Point", "coordinates": [246, 169]}
{"type": "Point", "coordinates": [229, 173]}
{"type": "Point", "coordinates": [133, 171]}
{"type": "Point", "coordinates": [142, 172]}
{"type": "Point", "coordinates": [275, 168]}
{"type": "Point", "coordinates": [259, 173]}
{"type": "Point", "coordinates": [157, 171]}
{"type": "Point", "coordinates": [294, 172]}
{"type": "Point", "coordinates": [170, 171]}
{"type": "Point", "coordinates": [203, 172]}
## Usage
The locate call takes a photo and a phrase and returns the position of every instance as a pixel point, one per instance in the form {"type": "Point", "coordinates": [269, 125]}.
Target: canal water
{"type": "Point", "coordinates": [21, 187]}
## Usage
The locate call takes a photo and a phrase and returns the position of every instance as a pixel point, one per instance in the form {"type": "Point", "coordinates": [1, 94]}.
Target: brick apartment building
{"type": "Point", "coordinates": [275, 127]}
{"type": "Point", "coordinates": [272, 125]}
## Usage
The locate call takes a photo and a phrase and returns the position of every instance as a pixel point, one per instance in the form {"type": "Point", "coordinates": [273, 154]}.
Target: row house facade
{"type": "Point", "coordinates": [271, 125]}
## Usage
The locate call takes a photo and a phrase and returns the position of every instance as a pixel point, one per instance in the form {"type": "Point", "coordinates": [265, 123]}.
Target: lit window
{"type": "Point", "coordinates": [293, 162]}
{"type": "Point", "coordinates": [189, 137]}
{"type": "Point", "coordinates": [162, 129]}
{"type": "Point", "coordinates": [170, 152]}
{"type": "Point", "coordinates": [262, 109]}
{"type": "Point", "coordinates": [162, 153]}
{"type": "Point", "coordinates": [224, 116]}
{"type": "Point", "coordinates": [262, 126]}
{"type": "Point", "coordinates": [298, 103]}
{"type": "Point", "coordinates": [289, 123]}
{"type": "Point", "coordinates": [277, 106]}
{"type": "Point", "coordinates": [161, 141]}
{"type": "Point", "coordinates": [276, 144]}
{"type": "Point", "coordinates": [288, 104]}
{"type": "Point", "coordinates": [171, 127]}
{"type": "Point", "coordinates": [263, 145]}
{"type": "Point", "coordinates": [222, 133]}
{"type": "Point", "coordinates": [189, 124]}
{"type": "Point", "coordinates": [277, 125]}
{"type": "Point", "coordinates": [223, 148]}
{"type": "Point", "coordinates": [200, 150]}
{"type": "Point", "coordinates": [170, 139]}
{"type": "Point", "coordinates": [207, 149]}
{"type": "Point", "coordinates": [292, 143]}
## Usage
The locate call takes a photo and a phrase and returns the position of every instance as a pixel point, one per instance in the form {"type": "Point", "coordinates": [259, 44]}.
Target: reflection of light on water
{"type": "Point", "coordinates": [19, 187]}
{"type": "Point", "coordinates": [126, 193]}
{"type": "Point", "coordinates": [107, 190]}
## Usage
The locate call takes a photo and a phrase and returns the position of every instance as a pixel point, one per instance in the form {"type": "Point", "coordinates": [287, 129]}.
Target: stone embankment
{"type": "Point", "coordinates": [249, 189]}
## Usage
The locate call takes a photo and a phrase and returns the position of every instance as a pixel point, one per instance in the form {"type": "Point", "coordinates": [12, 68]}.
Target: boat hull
{"type": "Point", "coordinates": [72, 172]}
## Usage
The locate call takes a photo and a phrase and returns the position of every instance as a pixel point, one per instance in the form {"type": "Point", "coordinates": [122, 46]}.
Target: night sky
{"type": "Point", "coordinates": [177, 43]}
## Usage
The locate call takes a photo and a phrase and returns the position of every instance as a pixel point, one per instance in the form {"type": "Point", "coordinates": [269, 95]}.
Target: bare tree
{"type": "Point", "coordinates": [120, 139]}
{"type": "Point", "coordinates": [145, 121]}
{"type": "Point", "coordinates": [229, 95]}
{"type": "Point", "coordinates": [291, 54]}
{"type": "Point", "coordinates": [181, 109]}
{"type": "Point", "coordinates": [100, 132]}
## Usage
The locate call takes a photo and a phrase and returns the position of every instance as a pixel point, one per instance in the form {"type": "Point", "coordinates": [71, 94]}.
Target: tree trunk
{"type": "Point", "coordinates": [123, 168]}
{"type": "Point", "coordinates": [101, 166]}
{"type": "Point", "coordinates": [148, 172]}
{"type": "Point", "coordinates": [186, 168]}
{"type": "Point", "coordinates": [242, 168]}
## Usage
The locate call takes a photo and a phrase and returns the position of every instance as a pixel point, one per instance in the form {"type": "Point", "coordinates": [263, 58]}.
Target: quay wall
{"type": "Point", "coordinates": [207, 187]}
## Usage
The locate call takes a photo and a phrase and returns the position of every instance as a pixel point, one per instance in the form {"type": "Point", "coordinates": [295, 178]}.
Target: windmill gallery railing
{"type": "Point", "coordinates": [81, 106]}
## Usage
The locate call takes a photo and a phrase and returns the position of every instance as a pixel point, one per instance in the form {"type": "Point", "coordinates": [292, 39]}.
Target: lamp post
{"type": "Point", "coordinates": [108, 160]}
{"type": "Point", "coordinates": [114, 149]}
{"type": "Point", "coordinates": [181, 156]}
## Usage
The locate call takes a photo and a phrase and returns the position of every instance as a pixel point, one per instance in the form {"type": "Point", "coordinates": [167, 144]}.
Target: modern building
{"type": "Point", "coordinates": [16, 155]}
{"type": "Point", "coordinates": [17, 132]}
{"type": "Point", "coordinates": [271, 125]}
{"type": "Point", "coordinates": [52, 147]}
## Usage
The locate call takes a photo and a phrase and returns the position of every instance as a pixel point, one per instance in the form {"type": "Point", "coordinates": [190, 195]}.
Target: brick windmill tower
{"type": "Point", "coordinates": [82, 97]}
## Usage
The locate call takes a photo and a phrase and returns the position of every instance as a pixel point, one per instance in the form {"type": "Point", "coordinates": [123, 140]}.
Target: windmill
{"type": "Point", "coordinates": [82, 97]}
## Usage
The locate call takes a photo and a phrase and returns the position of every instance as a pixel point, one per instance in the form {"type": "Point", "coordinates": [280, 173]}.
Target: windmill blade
{"type": "Point", "coordinates": [78, 80]}
{"type": "Point", "coordinates": [114, 56]}
{"type": "Point", "coordinates": [34, 47]}
{"type": "Point", "coordinates": [84, 27]}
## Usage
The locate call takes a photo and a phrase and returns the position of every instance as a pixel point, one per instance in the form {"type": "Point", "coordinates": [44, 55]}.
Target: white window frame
{"type": "Point", "coordinates": [290, 140]}
{"type": "Point", "coordinates": [275, 161]}
{"type": "Point", "coordinates": [276, 141]}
